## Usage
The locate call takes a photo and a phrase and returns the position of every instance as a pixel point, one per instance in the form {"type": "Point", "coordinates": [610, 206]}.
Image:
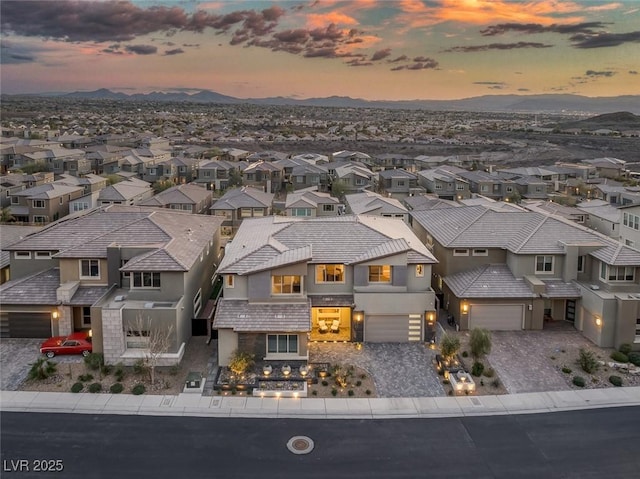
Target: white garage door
{"type": "Point", "coordinates": [496, 317]}
{"type": "Point", "coordinates": [392, 329]}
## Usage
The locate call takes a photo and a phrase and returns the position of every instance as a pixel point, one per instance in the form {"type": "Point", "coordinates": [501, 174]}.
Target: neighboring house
{"type": "Point", "coordinates": [445, 182]}
{"type": "Point", "coordinates": [348, 278]}
{"type": "Point", "coordinates": [234, 154]}
{"type": "Point", "coordinates": [90, 182]}
{"type": "Point", "coordinates": [268, 156]}
{"type": "Point", "coordinates": [10, 234]}
{"type": "Point", "coordinates": [43, 204]}
{"type": "Point", "coordinates": [300, 173]}
{"type": "Point", "coordinates": [264, 175]}
{"type": "Point", "coordinates": [131, 191]}
{"type": "Point", "coordinates": [238, 204]}
{"type": "Point", "coordinates": [311, 203]}
{"type": "Point", "coordinates": [217, 175]}
{"type": "Point", "coordinates": [608, 167]}
{"type": "Point", "coordinates": [190, 197]}
{"type": "Point", "coordinates": [109, 269]}
{"type": "Point", "coordinates": [9, 185]}
{"type": "Point", "coordinates": [513, 270]}
{"type": "Point", "coordinates": [351, 176]}
{"type": "Point", "coordinates": [630, 225]}
{"type": "Point", "coordinates": [370, 203]}
{"type": "Point", "coordinates": [615, 193]}
{"type": "Point", "coordinates": [549, 207]}
{"type": "Point", "coordinates": [398, 183]}
{"type": "Point", "coordinates": [601, 216]}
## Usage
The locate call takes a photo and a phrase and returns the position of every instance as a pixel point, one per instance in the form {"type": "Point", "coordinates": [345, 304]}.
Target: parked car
{"type": "Point", "coordinates": [76, 343]}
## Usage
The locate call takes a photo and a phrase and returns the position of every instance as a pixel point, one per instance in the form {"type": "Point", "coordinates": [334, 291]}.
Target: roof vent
{"type": "Point", "coordinates": [594, 287]}
{"type": "Point", "coordinates": [120, 297]}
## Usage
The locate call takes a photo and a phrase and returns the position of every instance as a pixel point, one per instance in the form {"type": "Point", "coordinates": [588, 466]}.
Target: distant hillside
{"type": "Point", "coordinates": [487, 103]}
{"type": "Point", "coordinates": [620, 121]}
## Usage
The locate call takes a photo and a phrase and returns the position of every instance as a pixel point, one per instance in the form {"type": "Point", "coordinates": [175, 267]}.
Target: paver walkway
{"type": "Point", "coordinates": [15, 358]}
{"type": "Point", "coordinates": [399, 370]}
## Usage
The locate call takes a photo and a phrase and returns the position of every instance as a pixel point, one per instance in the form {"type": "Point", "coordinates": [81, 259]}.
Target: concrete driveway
{"type": "Point", "coordinates": [15, 358]}
{"type": "Point", "coordinates": [398, 369]}
{"type": "Point", "coordinates": [523, 361]}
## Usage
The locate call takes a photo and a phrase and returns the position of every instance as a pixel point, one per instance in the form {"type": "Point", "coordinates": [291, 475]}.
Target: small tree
{"type": "Point", "coordinates": [6, 216]}
{"type": "Point", "coordinates": [449, 346]}
{"type": "Point", "coordinates": [158, 342]}
{"type": "Point", "coordinates": [42, 368]}
{"type": "Point", "coordinates": [480, 343]}
{"type": "Point", "coordinates": [240, 362]}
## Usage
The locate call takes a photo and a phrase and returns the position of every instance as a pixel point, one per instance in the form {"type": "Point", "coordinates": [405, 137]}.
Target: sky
{"type": "Point", "coordinates": [370, 49]}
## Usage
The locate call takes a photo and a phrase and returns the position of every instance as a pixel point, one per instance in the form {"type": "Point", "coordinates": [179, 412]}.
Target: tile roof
{"type": "Point", "coordinates": [10, 234]}
{"type": "Point", "coordinates": [488, 281]}
{"type": "Point", "coordinates": [184, 194]}
{"type": "Point", "coordinates": [559, 289]}
{"type": "Point", "coordinates": [39, 288]}
{"type": "Point", "coordinates": [124, 190]}
{"type": "Point", "coordinates": [263, 317]}
{"type": "Point", "coordinates": [88, 295]}
{"type": "Point", "coordinates": [370, 202]}
{"type": "Point", "coordinates": [49, 190]}
{"type": "Point", "coordinates": [339, 300]}
{"type": "Point", "coordinates": [244, 197]}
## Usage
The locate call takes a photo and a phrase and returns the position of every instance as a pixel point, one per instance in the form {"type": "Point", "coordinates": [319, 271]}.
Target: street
{"type": "Point", "coordinates": [581, 444]}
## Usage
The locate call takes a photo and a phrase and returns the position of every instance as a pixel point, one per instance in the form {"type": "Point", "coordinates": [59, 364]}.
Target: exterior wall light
{"type": "Point", "coordinates": [465, 308]}
{"type": "Point", "coordinates": [55, 315]}
{"type": "Point", "coordinates": [598, 321]}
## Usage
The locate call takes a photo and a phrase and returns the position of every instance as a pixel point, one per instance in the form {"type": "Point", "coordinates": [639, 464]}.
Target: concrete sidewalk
{"type": "Point", "coordinates": [310, 408]}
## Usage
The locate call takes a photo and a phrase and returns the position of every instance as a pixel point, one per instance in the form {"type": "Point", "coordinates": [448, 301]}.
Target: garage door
{"type": "Point", "coordinates": [392, 329]}
{"type": "Point", "coordinates": [25, 325]}
{"type": "Point", "coordinates": [496, 317]}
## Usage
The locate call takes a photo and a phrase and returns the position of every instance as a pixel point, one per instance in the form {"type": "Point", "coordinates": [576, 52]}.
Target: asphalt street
{"type": "Point", "coordinates": [578, 444]}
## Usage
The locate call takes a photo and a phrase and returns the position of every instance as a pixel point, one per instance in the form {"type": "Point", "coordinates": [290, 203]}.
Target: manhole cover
{"type": "Point", "coordinates": [300, 445]}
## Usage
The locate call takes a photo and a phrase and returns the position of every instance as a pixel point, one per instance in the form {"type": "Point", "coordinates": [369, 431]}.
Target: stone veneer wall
{"type": "Point", "coordinates": [65, 320]}
{"type": "Point", "coordinates": [113, 340]}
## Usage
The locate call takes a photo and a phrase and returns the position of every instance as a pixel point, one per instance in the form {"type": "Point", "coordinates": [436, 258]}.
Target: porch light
{"type": "Point", "coordinates": [55, 315]}
{"type": "Point", "coordinates": [598, 321]}
{"type": "Point", "coordinates": [91, 333]}
{"type": "Point", "coordinates": [465, 308]}
{"type": "Point", "coordinates": [430, 317]}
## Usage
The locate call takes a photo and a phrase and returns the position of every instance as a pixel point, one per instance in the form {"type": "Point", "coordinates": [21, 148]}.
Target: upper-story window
{"type": "Point", "coordinates": [329, 273]}
{"type": "Point", "coordinates": [380, 274]}
{"type": "Point", "coordinates": [22, 255]}
{"type": "Point", "coordinates": [327, 207]}
{"type": "Point", "coordinates": [229, 281]}
{"type": "Point", "coordinates": [43, 254]}
{"type": "Point", "coordinates": [544, 264]}
{"type": "Point", "coordinates": [245, 212]}
{"type": "Point", "coordinates": [617, 273]}
{"type": "Point", "coordinates": [631, 221]}
{"type": "Point", "coordinates": [301, 212]}
{"type": "Point", "coordinates": [581, 262]}
{"type": "Point", "coordinates": [460, 186]}
{"type": "Point", "coordinates": [480, 252]}
{"type": "Point", "coordinates": [146, 280]}
{"type": "Point", "coordinates": [360, 181]}
{"type": "Point", "coordinates": [286, 284]}
{"type": "Point", "coordinates": [15, 200]}
{"type": "Point", "coordinates": [38, 203]}
{"type": "Point", "coordinates": [419, 271]}
{"type": "Point", "coordinates": [460, 252]}
{"type": "Point", "coordinates": [89, 268]}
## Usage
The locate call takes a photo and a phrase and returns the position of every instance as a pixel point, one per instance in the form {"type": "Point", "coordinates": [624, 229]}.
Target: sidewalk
{"type": "Point", "coordinates": [314, 408]}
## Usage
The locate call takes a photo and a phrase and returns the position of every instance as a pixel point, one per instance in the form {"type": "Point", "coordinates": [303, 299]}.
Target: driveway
{"type": "Point", "coordinates": [523, 361]}
{"type": "Point", "coordinates": [398, 369]}
{"type": "Point", "coordinates": [15, 358]}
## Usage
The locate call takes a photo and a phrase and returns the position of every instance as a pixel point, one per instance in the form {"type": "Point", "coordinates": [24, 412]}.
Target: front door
{"type": "Point", "coordinates": [570, 310]}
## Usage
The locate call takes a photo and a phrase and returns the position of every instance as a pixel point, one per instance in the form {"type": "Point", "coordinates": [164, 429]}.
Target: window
{"type": "Point", "coordinates": [299, 179]}
{"type": "Point", "coordinates": [637, 339]}
{"type": "Point", "coordinates": [207, 174]}
{"type": "Point", "coordinates": [460, 186]}
{"type": "Point", "coordinates": [460, 252]}
{"type": "Point", "coordinates": [86, 316]}
{"type": "Point", "coordinates": [80, 206]}
{"type": "Point", "coordinates": [581, 261]}
{"type": "Point", "coordinates": [146, 280]}
{"type": "Point", "coordinates": [137, 339]}
{"type": "Point", "coordinates": [14, 200]}
{"type": "Point", "coordinates": [43, 254]}
{"type": "Point", "coordinates": [509, 189]}
{"type": "Point", "coordinates": [286, 284]}
{"type": "Point", "coordinates": [282, 343]}
{"type": "Point", "coordinates": [480, 252]}
{"type": "Point", "coordinates": [22, 255]}
{"type": "Point", "coordinates": [228, 281]}
{"type": "Point", "coordinates": [258, 212]}
{"type": "Point", "coordinates": [400, 182]}
{"type": "Point", "coordinates": [60, 200]}
{"type": "Point", "coordinates": [197, 303]}
{"type": "Point", "coordinates": [360, 181]}
{"type": "Point", "coordinates": [328, 208]}
{"type": "Point", "coordinates": [39, 219]}
{"type": "Point", "coordinates": [631, 221]}
{"type": "Point", "coordinates": [245, 212]}
{"type": "Point", "coordinates": [329, 273]}
{"type": "Point", "coordinates": [438, 186]}
{"type": "Point", "coordinates": [484, 188]}
{"type": "Point", "coordinates": [380, 274]}
{"type": "Point", "coordinates": [301, 212]}
{"type": "Point", "coordinates": [419, 271]}
{"type": "Point", "coordinates": [617, 273]}
{"type": "Point", "coordinates": [89, 268]}
{"type": "Point", "coordinates": [38, 203]}
{"type": "Point", "coordinates": [544, 264]}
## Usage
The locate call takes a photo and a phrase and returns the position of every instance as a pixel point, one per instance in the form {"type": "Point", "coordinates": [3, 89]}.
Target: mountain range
{"type": "Point", "coordinates": [550, 103]}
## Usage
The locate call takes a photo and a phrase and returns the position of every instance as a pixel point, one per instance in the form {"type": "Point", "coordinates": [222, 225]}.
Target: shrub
{"type": "Point", "coordinates": [94, 361]}
{"type": "Point", "coordinates": [119, 374]}
{"type": "Point", "coordinates": [465, 354]}
{"type": "Point", "coordinates": [578, 381]}
{"type": "Point", "coordinates": [42, 368]}
{"type": "Point", "coordinates": [566, 370]}
{"type": "Point", "coordinates": [116, 388]}
{"type": "Point", "coordinates": [477, 368]}
{"type": "Point", "coordinates": [634, 358]}
{"type": "Point", "coordinates": [77, 387]}
{"type": "Point", "coordinates": [449, 346]}
{"type": "Point", "coordinates": [139, 367]}
{"type": "Point", "coordinates": [480, 343]}
{"type": "Point", "coordinates": [619, 357]}
{"type": "Point", "coordinates": [495, 383]}
{"type": "Point", "coordinates": [95, 387]}
{"type": "Point", "coordinates": [368, 392]}
{"type": "Point", "coordinates": [615, 380]}
{"type": "Point", "coordinates": [588, 361]}
{"type": "Point", "coordinates": [334, 392]}
{"type": "Point", "coordinates": [358, 383]}
{"type": "Point", "coordinates": [138, 389]}
{"type": "Point", "coordinates": [106, 369]}
{"type": "Point", "coordinates": [489, 372]}
{"type": "Point", "coordinates": [350, 392]}
{"type": "Point", "coordinates": [325, 382]}
{"type": "Point", "coordinates": [85, 378]}
{"type": "Point", "coordinates": [625, 348]}
{"type": "Point", "coordinates": [240, 362]}
{"type": "Point", "coordinates": [314, 393]}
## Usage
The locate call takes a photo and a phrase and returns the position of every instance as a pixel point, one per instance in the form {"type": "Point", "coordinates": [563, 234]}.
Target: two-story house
{"type": "Point", "coordinates": [310, 203]}
{"type": "Point", "coordinates": [220, 174]}
{"type": "Point", "coordinates": [109, 270]}
{"type": "Point", "coordinates": [299, 173]}
{"type": "Point", "coordinates": [347, 278]}
{"type": "Point", "coordinates": [264, 175]}
{"type": "Point", "coordinates": [398, 183]}
{"type": "Point", "coordinates": [370, 203]}
{"type": "Point", "coordinates": [630, 225]}
{"type": "Point", "coordinates": [131, 191]}
{"type": "Point", "coordinates": [513, 270]}
{"type": "Point", "coordinates": [45, 203]}
{"type": "Point", "coordinates": [445, 182]}
{"type": "Point", "coordinates": [352, 177]}
{"type": "Point", "coordinates": [188, 197]}
{"type": "Point", "coordinates": [238, 204]}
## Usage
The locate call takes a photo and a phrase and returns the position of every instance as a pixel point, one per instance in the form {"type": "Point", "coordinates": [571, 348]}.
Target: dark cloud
{"type": "Point", "coordinates": [175, 51]}
{"type": "Point", "coordinates": [424, 64]}
{"type": "Point", "coordinates": [194, 45]}
{"type": "Point", "coordinates": [358, 63]}
{"type": "Point", "coordinates": [497, 46]}
{"type": "Point", "coordinates": [603, 40]}
{"type": "Point", "coordinates": [497, 83]}
{"type": "Point", "coordinates": [633, 72]}
{"type": "Point", "coordinates": [292, 36]}
{"type": "Point", "coordinates": [141, 49]}
{"type": "Point", "coordinates": [330, 33]}
{"type": "Point", "coordinates": [496, 87]}
{"type": "Point", "coordinates": [523, 89]}
{"type": "Point", "coordinates": [380, 54]}
{"type": "Point", "coordinates": [320, 53]}
{"type": "Point", "coordinates": [605, 73]}
{"type": "Point", "coordinates": [401, 58]}
{"type": "Point", "coordinates": [502, 28]}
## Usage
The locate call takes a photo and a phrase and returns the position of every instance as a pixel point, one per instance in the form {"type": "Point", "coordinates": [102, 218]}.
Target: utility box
{"type": "Point", "coordinates": [193, 382]}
